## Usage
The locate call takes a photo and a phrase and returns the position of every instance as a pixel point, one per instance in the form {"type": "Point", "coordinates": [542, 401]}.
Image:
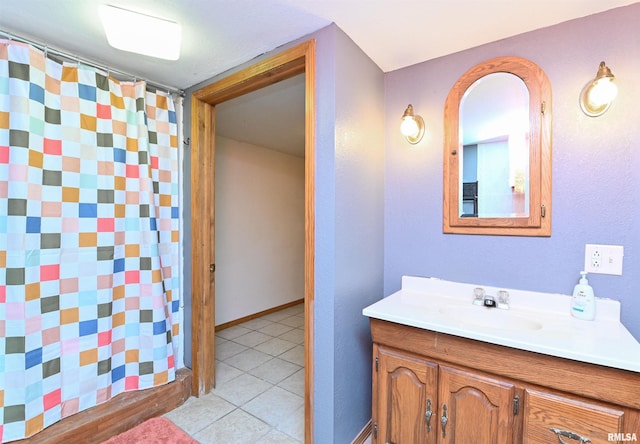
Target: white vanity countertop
{"type": "Point", "coordinates": [537, 322]}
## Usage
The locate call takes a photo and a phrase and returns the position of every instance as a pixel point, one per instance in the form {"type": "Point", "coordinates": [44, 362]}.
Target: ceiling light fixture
{"type": "Point", "coordinates": [140, 33]}
{"type": "Point", "coordinates": [597, 95]}
{"type": "Point", "coordinates": [412, 126]}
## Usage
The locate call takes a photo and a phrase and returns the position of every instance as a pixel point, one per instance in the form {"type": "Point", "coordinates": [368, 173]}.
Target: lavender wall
{"type": "Point", "coordinates": [596, 168]}
{"type": "Point", "coordinates": [359, 204]}
{"type": "Point", "coordinates": [349, 232]}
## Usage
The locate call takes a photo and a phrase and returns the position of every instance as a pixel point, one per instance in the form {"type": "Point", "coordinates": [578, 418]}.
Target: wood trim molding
{"type": "Point", "coordinates": [258, 315]}
{"type": "Point", "coordinates": [117, 415]}
{"type": "Point", "coordinates": [364, 434]}
{"type": "Point", "coordinates": [202, 253]}
{"type": "Point", "coordinates": [269, 71]}
{"type": "Point", "coordinates": [310, 230]}
{"type": "Point", "coordinates": [295, 60]}
{"type": "Point", "coordinates": [538, 221]}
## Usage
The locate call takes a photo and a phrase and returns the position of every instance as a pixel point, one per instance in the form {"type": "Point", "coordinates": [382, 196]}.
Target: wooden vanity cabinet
{"type": "Point", "coordinates": [406, 397]}
{"type": "Point", "coordinates": [478, 408]}
{"type": "Point", "coordinates": [420, 401]}
{"type": "Point", "coordinates": [549, 415]}
{"type": "Point", "coordinates": [493, 394]}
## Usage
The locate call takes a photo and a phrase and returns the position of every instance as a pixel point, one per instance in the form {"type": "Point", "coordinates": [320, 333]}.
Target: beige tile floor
{"type": "Point", "coordinates": [259, 394]}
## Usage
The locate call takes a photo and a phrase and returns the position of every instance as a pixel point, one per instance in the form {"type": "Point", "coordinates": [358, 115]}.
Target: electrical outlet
{"type": "Point", "coordinates": [595, 257]}
{"type": "Point", "coordinates": [603, 259]}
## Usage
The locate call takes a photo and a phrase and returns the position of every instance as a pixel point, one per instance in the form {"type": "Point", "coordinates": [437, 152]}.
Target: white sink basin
{"type": "Point", "coordinates": [492, 318]}
{"type": "Point", "coordinates": [536, 321]}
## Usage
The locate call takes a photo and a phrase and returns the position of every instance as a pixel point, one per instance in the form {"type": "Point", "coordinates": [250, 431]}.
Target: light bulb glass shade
{"type": "Point", "coordinates": [409, 127]}
{"type": "Point", "coordinates": [141, 34]}
{"type": "Point", "coordinates": [412, 126]}
{"type": "Point", "coordinates": [597, 95]}
{"type": "Point", "coordinates": [602, 92]}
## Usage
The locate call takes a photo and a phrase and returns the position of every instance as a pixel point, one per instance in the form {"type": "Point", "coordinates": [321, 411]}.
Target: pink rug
{"type": "Point", "coordinates": [153, 431]}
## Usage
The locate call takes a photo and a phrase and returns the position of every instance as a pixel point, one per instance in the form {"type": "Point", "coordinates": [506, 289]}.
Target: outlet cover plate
{"type": "Point", "coordinates": [603, 259]}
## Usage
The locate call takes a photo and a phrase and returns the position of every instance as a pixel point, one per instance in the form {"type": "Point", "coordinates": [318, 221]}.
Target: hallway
{"type": "Point", "coordinates": [259, 395]}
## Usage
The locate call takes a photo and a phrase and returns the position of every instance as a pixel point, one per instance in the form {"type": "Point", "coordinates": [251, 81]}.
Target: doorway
{"type": "Point", "coordinates": [296, 60]}
{"type": "Point", "coordinates": [259, 203]}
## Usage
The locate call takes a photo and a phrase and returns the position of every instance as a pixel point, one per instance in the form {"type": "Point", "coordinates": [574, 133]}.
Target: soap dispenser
{"type": "Point", "coordinates": [583, 302]}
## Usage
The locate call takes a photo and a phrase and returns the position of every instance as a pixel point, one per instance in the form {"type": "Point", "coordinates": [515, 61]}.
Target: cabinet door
{"type": "Point", "coordinates": [405, 403]}
{"type": "Point", "coordinates": [474, 408]}
{"type": "Point", "coordinates": [551, 418]}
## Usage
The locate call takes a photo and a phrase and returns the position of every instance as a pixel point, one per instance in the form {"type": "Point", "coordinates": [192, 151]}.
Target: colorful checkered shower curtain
{"type": "Point", "coordinates": [89, 288]}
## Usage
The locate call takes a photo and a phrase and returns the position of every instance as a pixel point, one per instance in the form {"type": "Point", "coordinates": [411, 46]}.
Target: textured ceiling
{"type": "Point", "coordinates": [271, 117]}
{"type": "Point", "coordinates": [222, 34]}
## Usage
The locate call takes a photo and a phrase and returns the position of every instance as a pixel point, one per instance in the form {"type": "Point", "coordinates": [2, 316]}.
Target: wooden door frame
{"type": "Point", "coordinates": [296, 60]}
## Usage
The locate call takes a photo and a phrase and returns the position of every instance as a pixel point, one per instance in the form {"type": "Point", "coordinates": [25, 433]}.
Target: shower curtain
{"type": "Point", "coordinates": [89, 234]}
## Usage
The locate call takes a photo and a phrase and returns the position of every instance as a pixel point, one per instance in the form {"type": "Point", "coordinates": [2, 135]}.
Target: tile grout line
{"type": "Point", "coordinates": [273, 325]}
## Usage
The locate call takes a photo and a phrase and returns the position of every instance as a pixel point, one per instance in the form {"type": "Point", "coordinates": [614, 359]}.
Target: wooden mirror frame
{"type": "Point", "coordinates": [538, 222]}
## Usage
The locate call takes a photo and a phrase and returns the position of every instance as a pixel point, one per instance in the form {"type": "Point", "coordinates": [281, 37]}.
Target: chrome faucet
{"type": "Point", "coordinates": [481, 298]}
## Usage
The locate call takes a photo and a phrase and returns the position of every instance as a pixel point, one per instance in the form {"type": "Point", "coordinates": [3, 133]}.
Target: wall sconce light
{"type": "Point", "coordinates": [597, 95]}
{"type": "Point", "coordinates": [412, 126]}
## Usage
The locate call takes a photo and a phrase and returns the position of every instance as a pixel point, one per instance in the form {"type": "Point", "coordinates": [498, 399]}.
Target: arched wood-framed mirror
{"type": "Point", "coordinates": [497, 150]}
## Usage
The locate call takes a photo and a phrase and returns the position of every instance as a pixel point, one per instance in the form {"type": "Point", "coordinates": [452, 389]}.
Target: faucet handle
{"type": "Point", "coordinates": [503, 299]}
{"type": "Point", "coordinates": [478, 296]}
{"type": "Point", "coordinates": [503, 296]}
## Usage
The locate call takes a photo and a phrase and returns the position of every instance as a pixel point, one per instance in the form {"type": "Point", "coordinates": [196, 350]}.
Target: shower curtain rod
{"type": "Point", "coordinates": [72, 57]}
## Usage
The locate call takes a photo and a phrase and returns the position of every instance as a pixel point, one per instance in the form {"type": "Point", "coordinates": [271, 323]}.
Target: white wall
{"type": "Point", "coordinates": [259, 232]}
{"type": "Point", "coordinates": [494, 192]}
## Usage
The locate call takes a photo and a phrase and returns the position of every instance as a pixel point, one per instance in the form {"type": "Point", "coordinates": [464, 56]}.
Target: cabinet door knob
{"type": "Point", "coordinates": [428, 415]}
{"type": "Point", "coordinates": [569, 435]}
{"type": "Point", "coordinates": [444, 420]}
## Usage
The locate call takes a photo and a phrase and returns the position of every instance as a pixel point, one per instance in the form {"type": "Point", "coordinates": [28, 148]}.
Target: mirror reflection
{"type": "Point", "coordinates": [494, 131]}
{"type": "Point", "coordinates": [497, 150]}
